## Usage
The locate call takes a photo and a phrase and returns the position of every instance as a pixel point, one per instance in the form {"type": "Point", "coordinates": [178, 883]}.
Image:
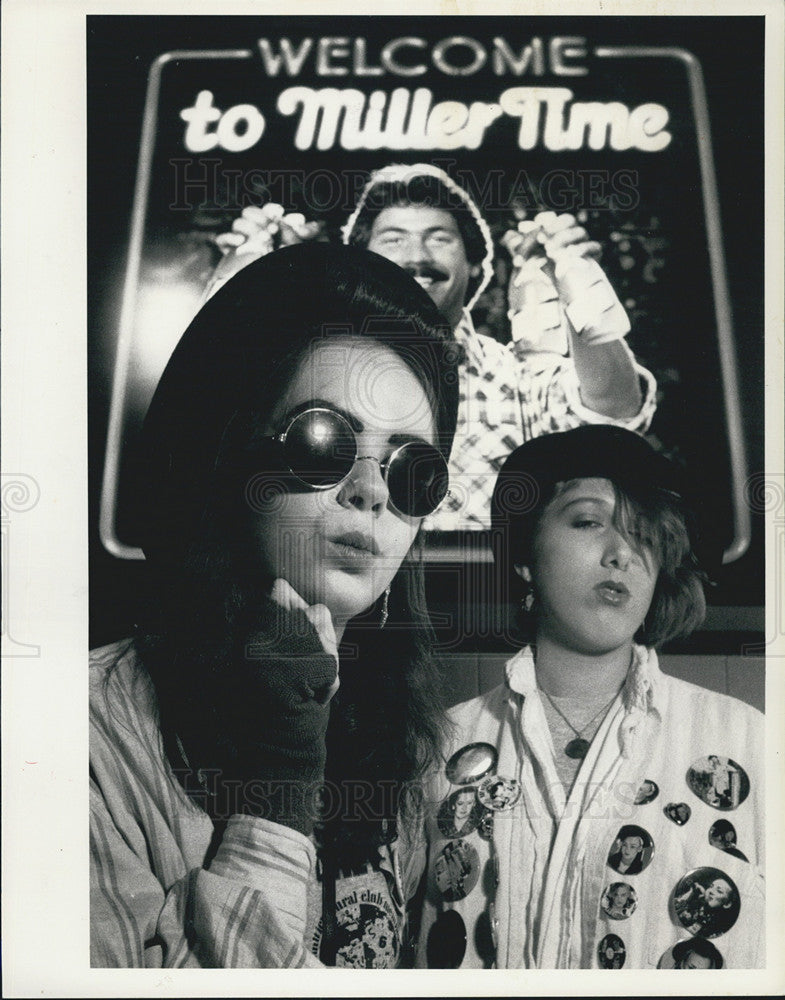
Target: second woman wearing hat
{"type": "Point", "coordinates": [593, 537]}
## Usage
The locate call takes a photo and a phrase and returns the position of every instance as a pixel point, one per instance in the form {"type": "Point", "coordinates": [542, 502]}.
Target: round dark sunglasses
{"type": "Point", "coordinates": [319, 447]}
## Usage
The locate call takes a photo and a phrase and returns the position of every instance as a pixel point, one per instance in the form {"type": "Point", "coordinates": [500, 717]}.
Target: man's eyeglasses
{"type": "Point", "coordinates": [319, 447]}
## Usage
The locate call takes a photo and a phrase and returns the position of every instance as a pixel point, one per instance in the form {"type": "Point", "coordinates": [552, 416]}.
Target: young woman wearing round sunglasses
{"type": "Point", "coordinates": [244, 790]}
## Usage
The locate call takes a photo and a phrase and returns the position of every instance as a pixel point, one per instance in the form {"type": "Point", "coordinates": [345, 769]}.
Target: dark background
{"type": "Point", "coordinates": [676, 340]}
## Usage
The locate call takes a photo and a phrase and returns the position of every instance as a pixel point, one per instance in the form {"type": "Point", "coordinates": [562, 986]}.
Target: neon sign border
{"type": "Point", "coordinates": [722, 308]}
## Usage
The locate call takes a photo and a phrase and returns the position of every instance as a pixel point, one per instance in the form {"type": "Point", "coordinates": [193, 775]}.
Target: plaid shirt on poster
{"type": "Point", "coordinates": [504, 401]}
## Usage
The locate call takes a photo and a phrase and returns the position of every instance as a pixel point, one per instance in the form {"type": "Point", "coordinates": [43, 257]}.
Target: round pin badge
{"type": "Point", "coordinates": [499, 794]}
{"type": "Point", "coordinates": [719, 782]}
{"type": "Point", "coordinates": [706, 902]}
{"type": "Point", "coordinates": [722, 835]}
{"type": "Point", "coordinates": [619, 900]}
{"type": "Point", "coordinates": [647, 792]}
{"type": "Point", "coordinates": [460, 813]}
{"type": "Point", "coordinates": [631, 851]}
{"type": "Point", "coordinates": [611, 952]}
{"type": "Point", "coordinates": [446, 943]}
{"type": "Point", "coordinates": [471, 763]}
{"type": "Point", "coordinates": [694, 953]}
{"type": "Point", "coordinates": [456, 870]}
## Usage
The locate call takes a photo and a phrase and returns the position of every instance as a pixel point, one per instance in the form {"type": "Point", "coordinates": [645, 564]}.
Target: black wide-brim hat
{"type": "Point", "coordinates": [226, 362]}
{"type": "Point", "coordinates": [597, 451]}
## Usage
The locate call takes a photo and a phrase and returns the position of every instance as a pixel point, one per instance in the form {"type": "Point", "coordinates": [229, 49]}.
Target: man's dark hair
{"type": "Point", "coordinates": [426, 191]}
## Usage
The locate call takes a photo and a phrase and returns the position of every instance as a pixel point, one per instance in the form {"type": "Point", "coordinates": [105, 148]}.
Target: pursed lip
{"type": "Point", "coordinates": [612, 592]}
{"type": "Point", "coordinates": [356, 541]}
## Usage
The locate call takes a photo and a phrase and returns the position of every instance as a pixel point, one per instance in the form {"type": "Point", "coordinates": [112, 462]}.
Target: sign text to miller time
{"type": "Point", "coordinates": [408, 117]}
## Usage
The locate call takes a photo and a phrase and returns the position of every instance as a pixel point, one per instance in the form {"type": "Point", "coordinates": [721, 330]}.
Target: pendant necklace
{"type": "Point", "coordinates": [577, 748]}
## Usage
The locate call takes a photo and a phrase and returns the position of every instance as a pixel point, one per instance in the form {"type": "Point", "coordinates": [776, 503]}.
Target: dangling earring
{"type": "Point", "coordinates": [385, 609]}
{"type": "Point", "coordinates": [527, 601]}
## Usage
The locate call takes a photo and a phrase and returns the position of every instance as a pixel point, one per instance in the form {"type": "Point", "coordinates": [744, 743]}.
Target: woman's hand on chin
{"type": "Point", "coordinates": [285, 596]}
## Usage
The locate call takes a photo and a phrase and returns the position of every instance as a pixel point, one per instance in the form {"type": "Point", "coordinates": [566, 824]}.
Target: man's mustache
{"type": "Point", "coordinates": [426, 271]}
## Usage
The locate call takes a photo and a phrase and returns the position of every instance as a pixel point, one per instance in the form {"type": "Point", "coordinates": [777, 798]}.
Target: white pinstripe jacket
{"type": "Point", "coordinates": [158, 898]}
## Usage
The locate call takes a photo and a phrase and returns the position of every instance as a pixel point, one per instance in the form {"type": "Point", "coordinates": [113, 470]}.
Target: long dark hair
{"type": "Point", "coordinates": [229, 371]}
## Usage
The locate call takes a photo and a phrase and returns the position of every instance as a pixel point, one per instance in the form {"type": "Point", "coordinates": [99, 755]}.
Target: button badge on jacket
{"type": "Point", "coordinates": [722, 835]}
{"type": "Point", "coordinates": [460, 813]}
{"type": "Point", "coordinates": [446, 941]}
{"type": "Point", "coordinates": [678, 812]}
{"type": "Point", "coordinates": [471, 763]}
{"type": "Point", "coordinates": [694, 953]}
{"type": "Point", "coordinates": [499, 794]}
{"type": "Point", "coordinates": [719, 782]}
{"type": "Point", "coordinates": [619, 900]}
{"type": "Point", "coordinates": [456, 870]}
{"type": "Point", "coordinates": [706, 902]}
{"type": "Point", "coordinates": [647, 792]}
{"type": "Point", "coordinates": [611, 952]}
{"type": "Point", "coordinates": [631, 851]}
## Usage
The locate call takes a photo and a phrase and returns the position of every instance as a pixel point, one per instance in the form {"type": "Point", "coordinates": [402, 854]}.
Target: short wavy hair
{"type": "Point", "coordinates": [655, 521]}
{"type": "Point", "coordinates": [654, 510]}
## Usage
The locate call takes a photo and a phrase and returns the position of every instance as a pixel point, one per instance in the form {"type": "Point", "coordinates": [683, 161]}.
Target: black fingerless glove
{"type": "Point", "coordinates": [261, 744]}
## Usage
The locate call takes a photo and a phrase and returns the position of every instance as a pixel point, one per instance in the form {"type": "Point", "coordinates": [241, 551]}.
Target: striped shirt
{"type": "Point", "coordinates": [163, 897]}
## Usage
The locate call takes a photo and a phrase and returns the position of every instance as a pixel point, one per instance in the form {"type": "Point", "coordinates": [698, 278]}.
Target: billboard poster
{"type": "Point", "coordinates": [587, 117]}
